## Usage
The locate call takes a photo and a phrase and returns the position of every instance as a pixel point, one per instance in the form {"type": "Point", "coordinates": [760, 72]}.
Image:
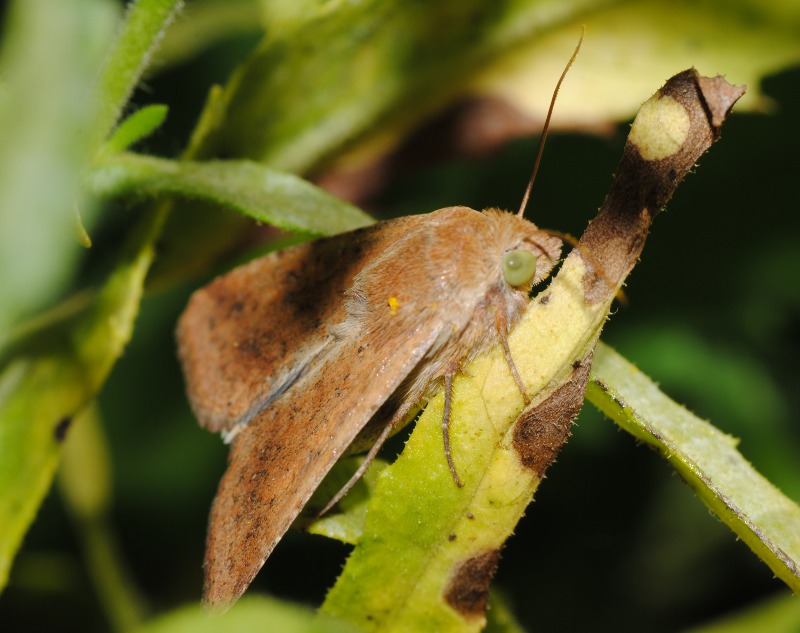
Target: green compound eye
{"type": "Point", "coordinates": [519, 267]}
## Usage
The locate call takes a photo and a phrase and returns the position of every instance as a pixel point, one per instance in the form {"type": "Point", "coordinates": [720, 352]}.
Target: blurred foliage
{"type": "Point", "coordinates": [619, 529]}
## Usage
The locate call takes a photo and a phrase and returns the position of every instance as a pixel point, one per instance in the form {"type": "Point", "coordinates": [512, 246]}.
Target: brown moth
{"type": "Point", "coordinates": [328, 346]}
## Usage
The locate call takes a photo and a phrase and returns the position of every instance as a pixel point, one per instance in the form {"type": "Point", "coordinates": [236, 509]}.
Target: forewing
{"type": "Point", "coordinates": [248, 335]}
{"type": "Point", "coordinates": [280, 458]}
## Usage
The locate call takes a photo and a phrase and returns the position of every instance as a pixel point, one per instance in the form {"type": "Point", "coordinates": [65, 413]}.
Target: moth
{"type": "Point", "coordinates": [326, 347]}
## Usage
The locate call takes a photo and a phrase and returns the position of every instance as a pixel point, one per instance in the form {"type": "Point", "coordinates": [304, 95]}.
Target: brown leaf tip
{"type": "Point", "coordinates": [468, 590]}
{"type": "Point", "coordinates": [719, 97]}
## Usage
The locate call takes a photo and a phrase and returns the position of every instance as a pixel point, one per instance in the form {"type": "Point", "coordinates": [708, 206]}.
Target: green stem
{"type": "Point", "coordinates": [146, 22]}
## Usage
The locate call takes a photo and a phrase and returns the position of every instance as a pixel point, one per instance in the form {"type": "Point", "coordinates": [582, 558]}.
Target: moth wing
{"type": "Point", "coordinates": [248, 335]}
{"type": "Point", "coordinates": [279, 459]}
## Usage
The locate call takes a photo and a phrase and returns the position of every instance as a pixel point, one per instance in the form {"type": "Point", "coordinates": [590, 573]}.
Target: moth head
{"type": "Point", "coordinates": [525, 254]}
{"type": "Point", "coordinates": [528, 262]}
{"type": "Point", "coordinates": [519, 268]}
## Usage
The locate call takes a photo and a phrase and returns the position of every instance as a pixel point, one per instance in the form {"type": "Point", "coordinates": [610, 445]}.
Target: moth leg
{"type": "Point", "coordinates": [398, 417]}
{"type": "Point", "coordinates": [500, 322]}
{"type": "Point", "coordinates": [448, 397]}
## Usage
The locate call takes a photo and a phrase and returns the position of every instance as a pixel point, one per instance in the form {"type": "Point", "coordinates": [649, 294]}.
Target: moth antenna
{"type": "Point", "coordinates": [546, 127]}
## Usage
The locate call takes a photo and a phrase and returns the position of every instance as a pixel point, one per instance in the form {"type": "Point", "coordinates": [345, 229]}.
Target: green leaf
{"type": "Point", "coordinates": [779, 614]}
{"type": "Point", "coordinates": [144, 26]}
{"type": "Point", "coordinates": [347, 524]}
{"type": "Point", "coordinates": [329, 75]}
{"type": "Point", "coordinates": [263, 194]}
{"type": "Point", "coordinates": [420, 56]}
{"type": "Point", "coordinates": [744, 41]}
{"type": "Point", "coordinates": [51, 52]}
{"type": "Point", "coordinates": [723, 380]}
{"type": "Point", "coordinates": [137, 126]}
{"type": "Point", "coordinates": [706, 458]}
{"type": "Point", "coordinates": [52, 377]}
{"type": "Point", "coordinates": [314, 86]}
{"type": "Point", "coordinates": [340, 84]}
{"type": "Point", "coordinates": [252, 613]}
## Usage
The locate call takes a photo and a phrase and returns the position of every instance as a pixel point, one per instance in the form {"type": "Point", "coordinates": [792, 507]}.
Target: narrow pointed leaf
{"type": "Point", "coordinates": [137, 126]}
{"type": "Point", "coordinates": [706, 459]}
{"type": "Point", "coordinates": [264, 194]}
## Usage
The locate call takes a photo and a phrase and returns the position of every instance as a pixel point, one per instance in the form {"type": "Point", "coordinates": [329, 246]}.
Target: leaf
{"type": "Point", "coordinates": [144, 26]}
{"type": "Point", "coordinates": [629, 43]}
{"type": "Point", "coordinates": [346, 525]}
{"type": "Point", "coordinates": [429, 548]}
{"type": "Point", "coordinates": [706, 458]}
{"type": "Point", "coordinates": [261, 193]}
{"type": "Point", "coordinates": [779, 614]}
{"type": "Point", "coordinates": [418, 55]}
{"type": "Point", "coordinates": [51, 52]}
{"type": "Point", "coordinates": [420, 528]}
{"type": "Point", "coordinates": [52, 377]}
{"type": "Point", "coordinates": [722, 380]}
{"type": "Point", "coordinates": [137, 126]}
{"type": "Point", "coordinates": [324, 78]}
{"type": "Point", "coordinates": [249, 614]}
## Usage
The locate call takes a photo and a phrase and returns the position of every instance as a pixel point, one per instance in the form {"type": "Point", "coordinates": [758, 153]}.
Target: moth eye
{"type": "Point", "coordinates": [519, 267]}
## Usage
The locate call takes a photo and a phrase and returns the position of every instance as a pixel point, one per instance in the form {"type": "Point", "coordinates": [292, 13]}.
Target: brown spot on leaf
{"type": "Point", "coordinates": [60, 430]}
{"type": "Point", "coordinates": [468, 590]}
{"type": "Point", "coordinates": [540, 433]}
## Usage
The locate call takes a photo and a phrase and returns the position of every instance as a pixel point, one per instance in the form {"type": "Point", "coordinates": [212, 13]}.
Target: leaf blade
{"type": "Point", "coordinates": [46, 383]}
{"type": "Point", "coordinates": [263, 194]}
{"type": "Point", "coordinates": [706, 458]}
